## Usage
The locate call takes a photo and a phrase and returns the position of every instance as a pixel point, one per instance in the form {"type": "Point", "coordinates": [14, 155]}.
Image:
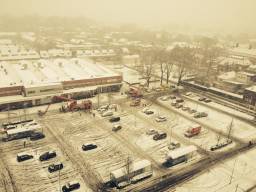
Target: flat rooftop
{"type": "Point", "coordinates": [43, 71]}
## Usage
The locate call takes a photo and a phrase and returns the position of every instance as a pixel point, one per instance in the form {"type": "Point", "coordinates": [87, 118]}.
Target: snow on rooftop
{"type": "Point", "coordinates": [227, 75]}
{"type": "Point", "coordinates": [244, 51]}
{"type": "Point", "coordinates": [135, 166]}
{"type": "Point", "coordinates": [181, 151]}
{"type": "Point", "coordinates": [50, 71]}
{"type": "Point", "coordinates": [253, 88]}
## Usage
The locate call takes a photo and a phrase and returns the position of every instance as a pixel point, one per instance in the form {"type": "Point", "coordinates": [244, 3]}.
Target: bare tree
{"type": "Point", "coordinates": [209, 52]}
{"type": "Point", "coordinates": [183, 58]}
{"type": "Point", "coordinates": [147, 60]}
{"type": "Point", "coordinates": [169, 66]}
{"type": "Point", "coordinates": [148, 71]}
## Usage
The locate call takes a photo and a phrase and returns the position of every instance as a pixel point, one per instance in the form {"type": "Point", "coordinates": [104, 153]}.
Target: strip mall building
{"type": "Point", "coordinates": [34, 82]}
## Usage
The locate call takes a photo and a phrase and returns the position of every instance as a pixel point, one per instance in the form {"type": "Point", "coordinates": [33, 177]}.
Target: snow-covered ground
{"type": "Point", "coordinates": [222, 107]}
{"type": "Point", "coordinates": [221, 121]}
{"type": "Point", "coordinates": [33, 175]}
{"type": "Point", "coordinates": [237, 174]}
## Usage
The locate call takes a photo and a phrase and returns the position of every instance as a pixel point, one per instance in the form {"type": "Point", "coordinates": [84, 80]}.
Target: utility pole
{"type": "Point", "coordinates": [230, 128]}
{"type": "Point", "coordinates": [128, 168]}
{"type": "Point", "coordinates": [59, 181]}
{"type": "Point", "coordinates": [231, 176]}
{"type": "Point", "coordinates": [236, 188]}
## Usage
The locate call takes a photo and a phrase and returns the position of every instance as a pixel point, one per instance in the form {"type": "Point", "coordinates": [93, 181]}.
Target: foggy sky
{"type": "Point", "coordinates": [221, 14]}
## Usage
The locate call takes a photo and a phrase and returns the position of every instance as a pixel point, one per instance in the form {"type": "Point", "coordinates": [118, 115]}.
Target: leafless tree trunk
{"type": "Point", "coordinates": [148, 71]}
{"type": "Point", "coordinates": [182, 73]}
{"type": "Point", "coordinates": [169, 66]}
{"type": "Point", "coordinates": [163, 69]}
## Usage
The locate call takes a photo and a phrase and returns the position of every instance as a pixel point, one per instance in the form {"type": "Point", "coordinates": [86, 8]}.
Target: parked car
{"type": "Point", "coordinates": [71, 186]}
{"type": "Point", "coordinates": [165, 98]}
{"type": "Point", "coordinates": [200, 114]}
{"type": "Point", "coordinates": [173, 103]}
{"type": "Point", "coordinates": [145, 109]}
{"type": "Point", "coordinates": [149, 112]}
{"type": "Point", "coordinates": [101, 110]}
{"type": "Point", "coordinates": [179, 100]}
{"type": "Point", "coordinates": [174, 145]}
{"type": "Point", "coordinates": [104, 107]}
{"type": "Point", "coordinates": [202, 99]}
{"type": "Point", "coordinates": [207, 100]}
{"type": "Point", "coordinates": [23, 157]}
{"type": "Point", "coordinates": [178, 105]}
{"type": "Point", "coordinates": [55, 167]}
{"type": "Point", "coordinates": [47, 155]}
{"type": "Point", "coordinates": [90, 146]}
{"type": "Point", "coordinates": [116, 127]}
{"type": "Point", "coordinates": [188, 94]}
{"type": "Point", "coordinates": [114, 119]}
{"type": "Point", "coordinates": [184, 108]}
{"type": "Point", "coordinates": [192, 111]}
{"type": "Point", "coordinates": [161, 119]}
{"type": "Point", "coordinates": [36, 136]}
{"type": "Point", "coordinates": [159, 136]}
{"type": "Point", "coordinates": [151, 132]}
{"type": "Point", "coordinates": [158, 89]}
{"type": "Point", "coordinates": [173, 97]}
{"type": "Point", "coordinates": [107, 113]}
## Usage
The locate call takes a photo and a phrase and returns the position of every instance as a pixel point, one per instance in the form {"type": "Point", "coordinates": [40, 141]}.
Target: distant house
{"type": "Point", "coordinates": [245, 77]}
{"type": "Point", "coordinates": [251, 69]}
{"type": "Point", "coordinates": [234, 63]}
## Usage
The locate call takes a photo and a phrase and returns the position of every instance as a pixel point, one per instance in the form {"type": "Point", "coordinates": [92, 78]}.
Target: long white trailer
{"type": "Point", "coordinates": [138, 171]}
{"type": "Point", "coordinates": [180, 155]}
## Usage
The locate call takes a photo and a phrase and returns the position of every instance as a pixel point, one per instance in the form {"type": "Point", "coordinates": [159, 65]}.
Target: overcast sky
{"type": "Point", "coordinates": [232, 14]}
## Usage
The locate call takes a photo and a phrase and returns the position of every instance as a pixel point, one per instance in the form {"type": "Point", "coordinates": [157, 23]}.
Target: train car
{"type": "Point", "coordinates": [15, 123]}
{"type": "Point", "coordinates": [138, 171]}
{"type": "Point", "coordinates": [192, 84]}
{"type": "Point", "coordinates": [180, 155]}
{"type": "Point", "coordinates": [226, 94]}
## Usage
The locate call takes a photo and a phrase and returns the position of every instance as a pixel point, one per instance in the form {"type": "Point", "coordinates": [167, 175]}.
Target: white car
{"type": "Point", "coordinates": [165, 98]}
{"type": "Point", "coordinates": [116, 127]}
{"type": "Point", "coordinates": [161, 119]}
{"type": "Point", "coordinates": [151, 132]}
{"type": "Point", "coordinates": [107, 113]}
{"type": "Point", "coordinates": [174, 145]}
{"type": "Point", "coordinates": [188, 94]}
{"type": "Point", "coordinates": [145, 109]}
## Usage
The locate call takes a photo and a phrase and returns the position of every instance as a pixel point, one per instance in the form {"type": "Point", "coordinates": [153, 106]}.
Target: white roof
{"type": "Point", "coordinates": [253, 88]}
{"type": "Point", "coordinates": [73, 182]}
{"type": "Point", "coordinates": [50, 71]}
{"type": "Point", "coordinates": [181, 152]}
{"type": "Point", "coordinates": [195, 125]}
{"type": "Point", "coordinates": [21, 129]}
{"type": "Point", "coordinates": [136, 166]}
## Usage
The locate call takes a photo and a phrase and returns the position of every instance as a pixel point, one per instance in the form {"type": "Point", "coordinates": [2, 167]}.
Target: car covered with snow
{"type": "Point", "coordinates": [151, 132]}
{"type": "Point", "coordinates": [161, 119]}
